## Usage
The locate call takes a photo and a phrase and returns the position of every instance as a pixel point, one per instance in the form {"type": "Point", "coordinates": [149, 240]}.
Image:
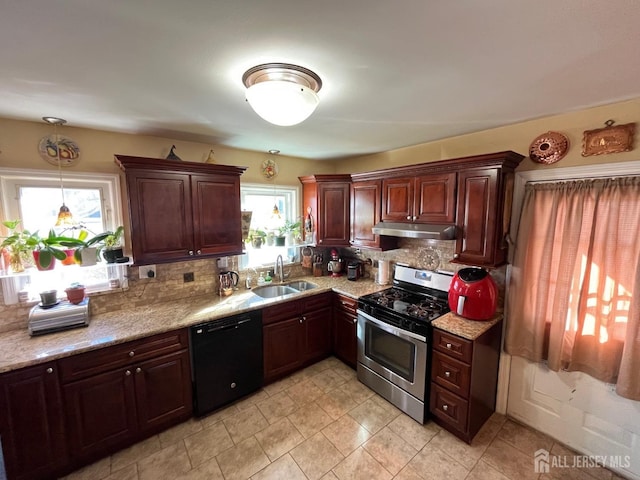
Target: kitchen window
{"type": "Point", "coordinates": [574, 293]}
{"type": "Point", "coordinates": [34, 197]}
{"type": "Point", "coordinates": [271, 207]}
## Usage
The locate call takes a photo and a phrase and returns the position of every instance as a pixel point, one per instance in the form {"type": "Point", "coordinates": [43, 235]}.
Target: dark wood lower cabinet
{"type": "Point", "coordinates": [345, 326]}
{"type": "Point", "coordinates": [31, 422]}
{"type": "Point", "coordinates": [129, 400]}
{"type": "Point", "coordinates": [464, 378]}
{"type": "Point", "coordinates": [295, 334]}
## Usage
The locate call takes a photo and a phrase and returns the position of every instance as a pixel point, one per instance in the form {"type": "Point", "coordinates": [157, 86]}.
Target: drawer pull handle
{"type": "Point", "coordinates": [138, 370]}
{"type": "Point", "coordinates": [127, 373]}
{"type": "Point", "coordinates": [445, 407]}
{"type": "Point", "coordinates": [49, 370]}
{"type": "Point", "coordinates": [449, 346]}
{"type": "Point", "coordinates": [132, 353]}
{"type": "Point", "coordinates": [447, 374]}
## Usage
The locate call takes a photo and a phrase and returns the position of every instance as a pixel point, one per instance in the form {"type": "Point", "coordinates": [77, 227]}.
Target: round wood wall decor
{"type": "Point", "coordinates": [548, 148]}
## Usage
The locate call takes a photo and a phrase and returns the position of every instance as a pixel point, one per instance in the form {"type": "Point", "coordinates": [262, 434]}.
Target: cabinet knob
{"type": "Point", "coordinates": [320, 241]}
{"type": "Point", "coordinates": [127, 373]}
{"type": "Point", "coordinates": [455, 255]}
{"type": "Point", "coordinates": [138, 370]}
{"type": "Point", "coordinates": [233, 384]}
{"type": "Point", "coordinates": [445, 407]}
{"type": "Point", "coordinates": [132, 353]}
{"type": "Point", "coordinates": [447, 374]}
{"type": "Point", "coordinates": [49, 370]}
{"type": "Point", "coordinates": [300, 320]}
{"type": "Point", "coordinates": [199, 252]}
{"type": "Point", "coordinates": [355, 320]}
{"type": "Point", "coordinates": [190, 252]}
{"type": "Point", "coordinates": [448, 345]}
{"type": "Point", "coordinates": [304, 319]}
{"type": "Point", "coordinates": [414, 218]}
{"type": "Point", "coordinates": [408, 217]}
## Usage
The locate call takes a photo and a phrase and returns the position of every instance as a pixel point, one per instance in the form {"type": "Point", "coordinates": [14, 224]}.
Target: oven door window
{"type": "Point", "coordinates": [392, 352]}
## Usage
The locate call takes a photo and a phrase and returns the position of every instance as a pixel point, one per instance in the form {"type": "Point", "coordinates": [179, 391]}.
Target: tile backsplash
{"type": "Point", "coordinates": [169, 282]}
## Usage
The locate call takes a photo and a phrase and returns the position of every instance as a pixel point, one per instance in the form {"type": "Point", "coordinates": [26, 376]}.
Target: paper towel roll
{"type": "Point", "coordinates": [383, 272]}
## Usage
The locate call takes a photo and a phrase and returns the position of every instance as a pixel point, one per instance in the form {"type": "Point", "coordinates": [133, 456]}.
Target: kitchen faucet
{"type": "Point", "coordinates": [279, 273]}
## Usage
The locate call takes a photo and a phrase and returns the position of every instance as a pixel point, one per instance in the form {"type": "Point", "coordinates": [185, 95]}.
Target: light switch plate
{"type": "Point", "coordinates": [147, 271]}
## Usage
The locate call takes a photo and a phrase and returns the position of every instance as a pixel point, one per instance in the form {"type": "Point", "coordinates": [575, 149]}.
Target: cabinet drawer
{"type": "Point", "coordinates": [281, 311]}
{"type": "Point", "coordinates": [316, 302]}
{"type": "Point", "coordinates": [449, 407]}
{"type": "Point", "coordinates": [105, 359]}
{"type": "Point", "coordinates": [345, 303]}
{"type": "Point", "coordinates": [451, 374]}
{"type": "Point", "coordinates": [452, 345]}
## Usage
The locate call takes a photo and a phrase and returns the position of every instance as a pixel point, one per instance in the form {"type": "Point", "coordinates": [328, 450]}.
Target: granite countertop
{"type": "Point", "coordinates": [469, 329]}
{"type": "Point", "coordinates": [18, 349]}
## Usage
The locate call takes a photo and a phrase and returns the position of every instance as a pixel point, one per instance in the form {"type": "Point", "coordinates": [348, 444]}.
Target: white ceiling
{"type": "Point", "coordinates": [395, 73]}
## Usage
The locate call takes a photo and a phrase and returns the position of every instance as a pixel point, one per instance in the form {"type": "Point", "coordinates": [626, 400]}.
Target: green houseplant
{"type": "Point", "coordinates": [290, 230]}
{"type": "Point", "coordinates": [113, 245]}
{"type": "Point", "coordinates": [20, 244]}
{"type": "Point", "coordinates": [87, 248]}
{"type": "Point", "coordinates": [257, 237]}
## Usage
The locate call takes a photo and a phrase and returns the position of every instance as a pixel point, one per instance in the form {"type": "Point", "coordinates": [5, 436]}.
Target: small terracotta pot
{"type": "Point", "coordinates": [75, 295]}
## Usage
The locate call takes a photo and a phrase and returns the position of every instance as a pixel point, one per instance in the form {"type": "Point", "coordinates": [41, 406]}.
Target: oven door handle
{"type": "Point", "coordinates": [390, 328]}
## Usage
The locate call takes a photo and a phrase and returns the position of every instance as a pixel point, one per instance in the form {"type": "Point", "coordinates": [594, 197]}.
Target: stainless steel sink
{"type": "Point", "coordinates": [272, 291]}
{"type": "Point", "coordinates": [302, 285]}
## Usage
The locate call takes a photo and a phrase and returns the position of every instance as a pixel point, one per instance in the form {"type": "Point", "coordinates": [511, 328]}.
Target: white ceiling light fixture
{"type": "Point", "coordinates": [281, 93]}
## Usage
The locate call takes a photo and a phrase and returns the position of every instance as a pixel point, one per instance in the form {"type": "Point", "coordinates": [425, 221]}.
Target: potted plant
{"type": "Point", "coordinates": [87, 250]}
{"type": "Point", "coordinates": [113, 245]}
{"type": "Point", "coordinates": [19, 244]}
{"type": "Point", "coordinates": [290, 230]}
{"type": "Point", "coordinates": [47, 249]}
{"type": "Point", "coordinates": [257, 237]}
{"type": "Point", "coordinates": [75, 293]}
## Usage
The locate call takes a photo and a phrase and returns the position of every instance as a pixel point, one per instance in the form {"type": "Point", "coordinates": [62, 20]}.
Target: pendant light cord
{"type": "Point", "coordinates": [55, 128]}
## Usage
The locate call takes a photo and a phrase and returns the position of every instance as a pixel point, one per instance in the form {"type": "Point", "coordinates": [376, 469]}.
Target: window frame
{"type": "Point", "coordinates": [108, 184]}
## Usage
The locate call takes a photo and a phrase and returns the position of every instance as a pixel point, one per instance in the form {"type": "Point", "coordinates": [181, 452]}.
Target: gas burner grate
{"type": "Point", "coordinates": [387, 297]}
{"type": "Point", "coordinates": [425, 310]}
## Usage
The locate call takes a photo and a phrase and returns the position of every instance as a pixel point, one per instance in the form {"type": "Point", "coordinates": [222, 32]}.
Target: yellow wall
{"type": "Point", "coordinates": [515, 137]}
{"type": "Point", "coordinates": [19, 149]}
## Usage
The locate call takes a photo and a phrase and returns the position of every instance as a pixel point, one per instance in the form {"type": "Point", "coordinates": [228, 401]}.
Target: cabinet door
{"type": "Point", "coordinates": [365, 213]}
{"type": "Point", "coordinates": [317, 333]}
{"type": "Point", "coordinates": [100, 412]}
{"type": "Point", "coordinates": [163, 390]}
{"type": "Point", "coordinates": [344, 336]}
{"type": "Point", "coordinates": [397, 199]}
{"type": "Point", "coordinates": [282, 342]}
{"type": "Point", "coordinates": [216, 214]}
{"type": "Point", "coordinates": [435, 198]}
{"type": "Point", "coordinates": [477, 216]}
{"type": "Point", "coordinates": [161, 216]}
{"type": "Point", "coordinates": [31, 422]}
{"type": "Point", "coordinates": [333, 228]}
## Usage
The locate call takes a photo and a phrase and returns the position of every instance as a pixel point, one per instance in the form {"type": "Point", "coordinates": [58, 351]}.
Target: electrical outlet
{"type": "Point", "coordinates": [188, 277]}
{"type": "Point", "coordinates": [147, 271]}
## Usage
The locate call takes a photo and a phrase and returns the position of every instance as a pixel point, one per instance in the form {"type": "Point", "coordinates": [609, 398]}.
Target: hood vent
{"type": "Point", "coordinates": [416, 230]}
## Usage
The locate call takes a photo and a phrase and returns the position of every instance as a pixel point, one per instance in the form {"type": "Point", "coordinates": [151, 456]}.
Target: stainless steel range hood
{"type": "Point", "coordinates": [416, 230]}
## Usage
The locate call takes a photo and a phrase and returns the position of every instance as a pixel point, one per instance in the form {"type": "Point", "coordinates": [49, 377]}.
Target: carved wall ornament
{"type": "Point", "coordinates": [549, 147]}
{"type": "Point", "coordinates": [610, 139]}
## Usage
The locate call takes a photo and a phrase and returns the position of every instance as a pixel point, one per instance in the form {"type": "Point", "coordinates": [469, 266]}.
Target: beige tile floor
{"type": "Point", "coordinates": [321, 423]}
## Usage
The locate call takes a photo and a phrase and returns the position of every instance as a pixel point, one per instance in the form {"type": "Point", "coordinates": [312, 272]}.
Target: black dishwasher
{"type": "Point", "coordinates": [226, 360]}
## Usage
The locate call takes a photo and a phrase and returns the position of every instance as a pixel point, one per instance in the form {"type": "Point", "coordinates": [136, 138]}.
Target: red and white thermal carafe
{"type": "Point", "coordinates": [473, 294]}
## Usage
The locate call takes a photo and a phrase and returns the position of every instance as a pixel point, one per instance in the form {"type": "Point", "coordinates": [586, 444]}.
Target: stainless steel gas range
{"type": "Point", "coordinates": [394, 333]}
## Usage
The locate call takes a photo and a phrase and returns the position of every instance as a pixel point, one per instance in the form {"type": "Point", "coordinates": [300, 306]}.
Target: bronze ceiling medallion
{"type": "Point", "coordinates": [549, 147]}
{"type": "Point", "coordinates": [610, 139]}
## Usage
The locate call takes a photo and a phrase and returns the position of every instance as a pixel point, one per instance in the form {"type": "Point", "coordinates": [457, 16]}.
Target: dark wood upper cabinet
{"type": "Point", "coordinates": [366, 207]}
{"type": "Point", "coordinates": [328, 198]}
{"type": "Point", "coordinates": [429, 198]}
{"type": "Point", "coordinates": [181, 210]}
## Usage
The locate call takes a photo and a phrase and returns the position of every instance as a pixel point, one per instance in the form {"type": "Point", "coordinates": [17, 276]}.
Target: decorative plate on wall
{"type": "Point", "coordinates": [549, 147]}
{"type": "Point", "coordinates": [69, 150]}
{"type": "Point", "coordinates": [269, 169]}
